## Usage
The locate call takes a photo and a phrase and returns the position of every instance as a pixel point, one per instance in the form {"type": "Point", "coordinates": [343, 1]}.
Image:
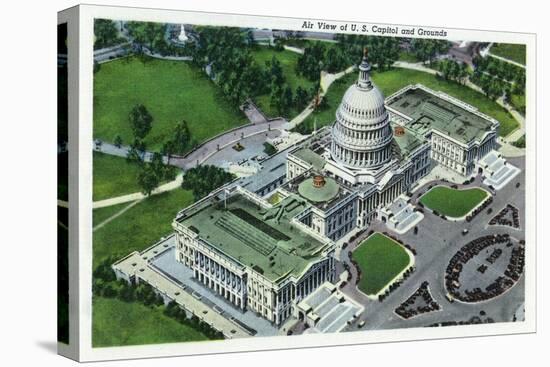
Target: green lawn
{"type": "Point", "coordinates": [380, 259]}
{"type": "Point", "coordinates": [117, 323]}
{"type": "Point", "coordinates": [453, 202]}
{"type": "Point", "coordinates": [518, 102]}
{"type": "Point", "coordinates": [113, 176]}
{"type": "Point", "coordinates": [140, 226]}
{"type": "Point", "coordinates": [520, 143]}
{"type": "Point", "coordinates": [509, 51]}
{"type": "Point", "coordinates": [101, 214]}
{"type": "Point", "coordinates": [391, 81]}
{"type": "Point", "coordinates": [288, 60]}
{"type": "Point", "coordinates": [171, 90]}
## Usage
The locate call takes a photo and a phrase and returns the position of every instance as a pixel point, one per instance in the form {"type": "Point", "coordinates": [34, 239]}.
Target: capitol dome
{"type": "Point", "coordinates": [362, 135]}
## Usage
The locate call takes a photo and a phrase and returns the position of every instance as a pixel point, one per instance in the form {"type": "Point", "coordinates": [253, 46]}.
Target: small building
{"type": "Point", "coordinates": [327, 310]}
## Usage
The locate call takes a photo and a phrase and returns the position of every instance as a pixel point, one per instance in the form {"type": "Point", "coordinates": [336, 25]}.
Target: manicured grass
{"type": "Point", "coordinates": [380, 259]}
{"type": "Point", "coordinates": [171, 90]}
{"type": "Point", "coordinates": [117, 323]}
{"type": "Point", "coordinates": [520, 143]}
{"type": "Point", "coordinates": [509, 51]}
{"type": "Point", "coordinates": [113, 176]}
{"type": "Point", "coordinates": [288, 60]}
{"type": "Point", "coordinates": [518, 102]}
{"type": "Point", "coordinates": [453, 202]}
{"type": "Point", "coordinates": [392, 80]}
{"type": "Point", "coordinates": [101, 214]}
{"type": "Point", "coordinates": [140, 226]}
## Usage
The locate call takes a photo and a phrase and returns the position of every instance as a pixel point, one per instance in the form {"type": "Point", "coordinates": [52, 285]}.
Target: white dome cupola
{"type": "Point", "coordinates": [362, 135]}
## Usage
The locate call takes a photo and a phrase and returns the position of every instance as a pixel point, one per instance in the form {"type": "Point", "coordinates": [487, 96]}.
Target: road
{"type": "Point", "coordinates": [436, 242]}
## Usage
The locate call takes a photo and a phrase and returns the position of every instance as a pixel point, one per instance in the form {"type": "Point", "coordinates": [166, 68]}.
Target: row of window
{"type": "Point", "coordinates": [363, 113]}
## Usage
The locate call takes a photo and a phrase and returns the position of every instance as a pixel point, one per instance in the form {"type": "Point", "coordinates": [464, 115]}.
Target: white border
{"type": "Point", "coordinates": [86, 353]}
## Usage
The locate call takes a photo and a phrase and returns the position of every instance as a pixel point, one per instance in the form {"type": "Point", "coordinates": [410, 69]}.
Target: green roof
{"type": "Point", "coordinates": [318, 194]}
{"type": "Point", "coordinates": [260, 238]}
{"type": "Point", "coordinates": [407, 142]}
{"type": "Point", "coordinates": [429, 111]}
{"type": "Point", "coordinates": [310, 157]}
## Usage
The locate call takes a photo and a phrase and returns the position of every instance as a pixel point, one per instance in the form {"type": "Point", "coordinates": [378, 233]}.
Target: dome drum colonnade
{"type": "Point", "coordinates": [362, 134]}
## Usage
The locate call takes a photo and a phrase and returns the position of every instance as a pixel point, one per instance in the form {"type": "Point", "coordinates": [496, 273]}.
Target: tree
{"type": "Point", "coordinates": [140, 121]}
{"type": "Point", "coordinates": [118, 141]}
{"type": "Point", "coordinates": [168, 149]}
{"type": "Point", "coordinates": [382, 51]}
{"type": "Point", "coordinates": [149, 34]}
{"type": "Point", "coordinates": [335, 60]}
{"type": "Point", "coordinates": [250, 38]}
{"type": "Point", "coordinates": [287, 99]}
{"type": "Point", "coordinates": [301, 98]}
{"type": "Point", "coordinates": [148, 179]}
{"type": "Point", "coordinates": [201, 180]}
{"type": "Point", "coordinates": [311, 62]}
{"type": "Point", "coordinates": [136, 151]}
{"type": "Point", "coordinates": [276, 97]}
{"type": "Point", "coordinates": [428, 49]}
{"type": "Point", "coordinates": [452, 70]}
{"type": "Point", "coordinates": [181, 138]}
{"type": "Point", "coordinates": [97, 66]}
{"type": "Point", "coordinates": [226, 53]}
{"type": "Point", "coordinates": [276, 72]}
{"type": "Point", "coordinates": [105, 32]}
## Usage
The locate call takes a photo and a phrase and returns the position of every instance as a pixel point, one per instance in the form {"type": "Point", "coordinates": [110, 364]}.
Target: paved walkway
{"type": "Point", "coordinates": [167, 265]}
{"type": "Point", "coordinates": [166, 57]}
{"type": "Point", "coordinates": [419, 66]}
{"type": "Point", "coordinates": [487, 51]}
{"type": "Point", "coordinates": [509, 150]}
{"type": "Point", "coordinates": [294, 49]}
{"type": "Point", "coordinates": [172, 185]}
{"type": "Point", "coordinates": [122, 211]}
{"type": "Point", "coordinates": [326, 80]}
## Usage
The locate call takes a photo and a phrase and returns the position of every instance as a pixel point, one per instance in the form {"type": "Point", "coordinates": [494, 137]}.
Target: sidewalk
{"type": "Point", "coordinates": [172, 185]}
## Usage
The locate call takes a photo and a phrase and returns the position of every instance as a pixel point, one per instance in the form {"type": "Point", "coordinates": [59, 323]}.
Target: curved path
{"type": "Point", "coordinates": [172, 185]}
{"type": "Point", "coordinates": [326, 81]}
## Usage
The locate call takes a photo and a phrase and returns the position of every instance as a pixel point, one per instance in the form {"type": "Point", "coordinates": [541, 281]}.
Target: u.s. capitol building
{"type": "Point", "coordinates": [268, 256]}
